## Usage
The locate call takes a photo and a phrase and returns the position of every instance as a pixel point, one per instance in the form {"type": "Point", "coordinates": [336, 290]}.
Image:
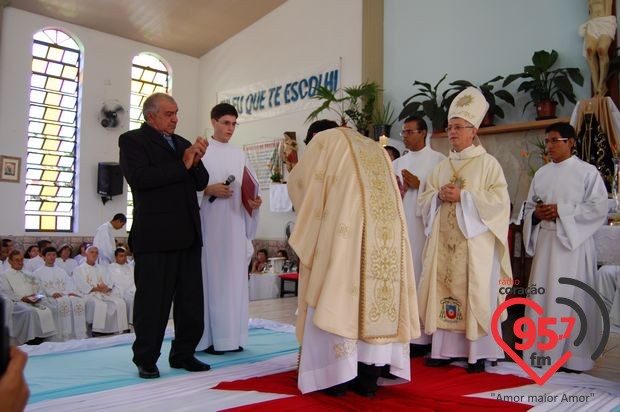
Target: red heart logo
{"type": "Point", "coordinates": [540, 380]}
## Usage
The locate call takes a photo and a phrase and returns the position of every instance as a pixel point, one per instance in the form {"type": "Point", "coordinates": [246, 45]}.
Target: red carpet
{"type": "Point", "coordinates": [432, 389]}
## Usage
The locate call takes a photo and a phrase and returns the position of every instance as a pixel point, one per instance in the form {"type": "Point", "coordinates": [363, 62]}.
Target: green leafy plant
{"type": "Point", "coordinates": [544, 83]}
{"type": "Point", "coordinates": [356, 104]}
{"type": "Point", "coordinates": [539, 155]}
{"type": "Point", "coordinates": [487, 89]}
{"type": "Point", "coordinates": [384, 115]}
{"type": "Point", "coordinates": [427, 101]}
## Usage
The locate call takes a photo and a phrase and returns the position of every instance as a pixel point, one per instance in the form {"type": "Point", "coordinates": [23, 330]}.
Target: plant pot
{"type": "Point", "coordinates": [379, 130]}
{"type": "Point", "coordinates": [545, 109]}
{"type": "Point", "coordinates": [487, 120]}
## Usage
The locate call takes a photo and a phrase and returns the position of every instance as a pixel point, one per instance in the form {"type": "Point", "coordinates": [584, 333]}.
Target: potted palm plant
{"type": "Point", "coordinates": [382, 121]}
{"type": "Point", "coordinates": [427, 102]}
{"type": "Point", "coordinates": [491, 96]}
{"type": "Point", "coordinates": [356, 104]}
{"type": "Point", "coordinates": [547, 87]}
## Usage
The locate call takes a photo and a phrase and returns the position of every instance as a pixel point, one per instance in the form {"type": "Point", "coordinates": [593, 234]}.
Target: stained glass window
{"type": "Point", "coordinates": [52, 132]}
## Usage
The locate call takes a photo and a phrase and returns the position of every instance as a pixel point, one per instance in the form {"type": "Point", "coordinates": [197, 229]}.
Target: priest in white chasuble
{"type": "Point", "coordinates": [108, 313]}
{"type": "Point", "coordinates": [228, 230]}
{"type": "Point", "coordinates": [122, 276]}
{"type": "Point", "coordinates": [32, 315]}
{"type": "Point", "coordinates": [467, 210]}
{"type": "Point", "coordinates": [70, 307]}
{"type": "Point", "coordinates": [567, 204]}
{"type": "Point", "coordinates": [413, 169]}
{"type": "Point", "coordinates": [357, 308]}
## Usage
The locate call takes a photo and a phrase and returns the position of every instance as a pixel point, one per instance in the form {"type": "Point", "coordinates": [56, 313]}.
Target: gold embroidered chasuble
{"type": "Point", "coordinates": [351, 237]}
{"type": "Point", "coordinates": [456, 287]}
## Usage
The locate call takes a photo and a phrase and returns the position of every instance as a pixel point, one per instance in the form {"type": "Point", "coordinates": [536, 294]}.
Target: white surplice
{"type": "Point", "coordinates": [124, 284]}
{"type": "Point", "coordinates": [109, 312]}
{"type": "Point", "coordinates": [28, 320]}
{"type": "Point", "coordinates": [565, 248]}
{"type": "Point", "coordinates": [31, 265]}
{"type": "Point", "coordinates": [105, 242]}
{"type": "Point", "coordinates": [228, 231]}
{"type": "Point", "coordinates": [68, 265]}
{"type": "Point", "coordinates": [420, 164]}
{"type": "Point", "coordinates": [70, 311]}
{"type": "Point", "coordinates": [608, 286]}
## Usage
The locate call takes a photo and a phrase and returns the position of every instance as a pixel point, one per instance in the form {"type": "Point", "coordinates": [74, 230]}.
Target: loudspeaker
{"type": "Point", "coordinates": [109, 180]}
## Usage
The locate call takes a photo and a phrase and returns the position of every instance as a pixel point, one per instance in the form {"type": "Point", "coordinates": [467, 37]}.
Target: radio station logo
{"type": "Point", "coordinates": [529, 330]}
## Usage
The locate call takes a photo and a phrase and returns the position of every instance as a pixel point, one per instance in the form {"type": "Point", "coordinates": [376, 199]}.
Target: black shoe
{"type": "Point", "coordinates": [148, 372]}
{"type": "Point", "coordinates": [190, 364]}
{"type": "Point", "coordinates": [419, 351]}
{"type": "Point", "coordinates": [337, 391]}
{"type": "Point", "coordinates": [477, 367]}
{"type": "Point", "coordinates": [239, 349]}
{"type": "Point", "coordinates": [567, 370]}
{"type": "Point", "coordinates": [385, 373]}
{"type": "Point", "coordinates": [365, 383]}
{"type": "Point", "coordinates": [211, 351]}
{"type": "Point", "coordinates": [433, 362]}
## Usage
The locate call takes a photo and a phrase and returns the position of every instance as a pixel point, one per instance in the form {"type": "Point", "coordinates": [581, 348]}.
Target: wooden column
{"type": "Point", "coordinates": [372, 43]}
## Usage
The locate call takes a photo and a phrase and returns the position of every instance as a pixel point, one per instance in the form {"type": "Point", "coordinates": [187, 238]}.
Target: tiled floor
{"type": "Point", "coordinates": [283, 310]}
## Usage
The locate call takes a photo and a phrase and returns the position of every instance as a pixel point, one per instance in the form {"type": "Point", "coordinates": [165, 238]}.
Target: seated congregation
{"type": "Point", "coordinates": [48, 297]}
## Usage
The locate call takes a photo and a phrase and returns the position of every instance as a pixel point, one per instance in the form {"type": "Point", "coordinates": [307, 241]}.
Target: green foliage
{"type": "Point", "coordinates": [384, 115]}
{"type": "Point", "coordinates": [356, 104]}
{"type": "Point", "coordinates": [427, 102]}
{"type": "Point", "coordinates": [543, 83]}
{"type": "Point", "coordinates": [487, 89]}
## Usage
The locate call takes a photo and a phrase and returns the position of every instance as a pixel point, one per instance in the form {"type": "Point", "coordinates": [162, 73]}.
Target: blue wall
{"type": "Point", "coordinates": [476, 40]}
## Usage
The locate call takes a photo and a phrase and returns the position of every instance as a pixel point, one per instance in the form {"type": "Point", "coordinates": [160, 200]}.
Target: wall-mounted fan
{"type": "Point", "coordinates": [112, 114]}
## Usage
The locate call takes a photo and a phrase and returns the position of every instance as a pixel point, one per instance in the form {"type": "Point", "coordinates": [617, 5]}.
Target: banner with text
{"type": "Point", "coordinates": [276, 97]}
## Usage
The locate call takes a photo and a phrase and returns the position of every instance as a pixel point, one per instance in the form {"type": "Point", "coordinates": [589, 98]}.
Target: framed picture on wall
{"type": "Point", "coordinates": [9, 169]}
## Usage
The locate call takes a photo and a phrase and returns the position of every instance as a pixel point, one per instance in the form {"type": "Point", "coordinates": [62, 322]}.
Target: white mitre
{"type": "Point", "coordinates": [469, 105]}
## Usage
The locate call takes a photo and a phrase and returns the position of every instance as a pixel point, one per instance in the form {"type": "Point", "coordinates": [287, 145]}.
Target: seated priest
{"type": "Point", "coordinates": [121, 274]}
{"type": "Point", "coordinates": [109, 314]}
{"type": "Point", "coordinates": [32, 318]}
{"type": "Point", "coordinates": [69, 307]}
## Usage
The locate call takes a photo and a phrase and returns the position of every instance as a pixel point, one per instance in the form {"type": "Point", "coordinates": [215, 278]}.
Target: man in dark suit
{"type": "Point", "coordinates": [164, 171]}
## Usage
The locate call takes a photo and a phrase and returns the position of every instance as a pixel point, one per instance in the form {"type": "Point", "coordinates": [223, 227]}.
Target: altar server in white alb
{"type": "Point", "coordinates": [412, 169]}
{"type": "Point", "coordinates": [357, 309]}
{"type": "Point", "coordinates": [31, 313]}
{"type": "Point", "coordinates": [122, 276]}
{"type": "Point", "coordinates": [109, 312]}
{"type": "Point", "coordinates": [228, 230]}
{"type": "Point", "coordinates": [70, 307]}
{"type": "Point", "coordinates": [566, 204]}
{"type": "Point", "coordinates": [104, 238]}
{"type": "Point", "coordinates": [467, 209]}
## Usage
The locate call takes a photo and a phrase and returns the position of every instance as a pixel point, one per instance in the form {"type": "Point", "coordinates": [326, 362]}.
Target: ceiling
{"type": "Point", "coordinates": [191, 27]}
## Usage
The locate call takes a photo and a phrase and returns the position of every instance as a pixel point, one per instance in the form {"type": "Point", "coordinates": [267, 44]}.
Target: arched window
{"type": "Point", "coordinates": [148, 75]}
{"type": "Point", "coordinates": [52, 132]}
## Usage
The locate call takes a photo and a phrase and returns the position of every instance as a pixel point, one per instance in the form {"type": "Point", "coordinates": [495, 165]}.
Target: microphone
{"type": "Point", "coordinates": [228, 181]}
{"type": "Point", "coordinates": [536, 199]}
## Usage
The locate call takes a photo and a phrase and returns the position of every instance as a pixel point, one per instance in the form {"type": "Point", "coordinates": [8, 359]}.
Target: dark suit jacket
{"type": "Point", "coordinates": [166, 213]}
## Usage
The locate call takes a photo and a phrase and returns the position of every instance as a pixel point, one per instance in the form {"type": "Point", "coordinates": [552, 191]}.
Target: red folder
{"type": "Point", "coordinates": [249, 190]}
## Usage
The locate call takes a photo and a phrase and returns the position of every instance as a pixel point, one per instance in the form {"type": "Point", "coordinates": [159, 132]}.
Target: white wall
{"type": "Point", "coordinates": [476, 40]}
{"type": "Point", "coordinates": [297, 36]}
{"type": "Point", "coordinates": [106, 74]}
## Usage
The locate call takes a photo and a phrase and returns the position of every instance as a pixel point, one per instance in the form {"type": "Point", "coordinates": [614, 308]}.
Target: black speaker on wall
{"type": "Point", "coordinates": [109, 180]}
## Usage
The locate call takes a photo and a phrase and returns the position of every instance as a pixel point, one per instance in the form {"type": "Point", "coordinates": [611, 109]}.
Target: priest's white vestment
{"type": "Point", "coordinates": [28, 320]}
{"type": "Point", "coordinates": [124, 284]}
{"type": "Point", "coordinates": [420, 164]}
{"type": "Point", "coordinates": [105, 242]}
{"type": "Point", "coordinates": [70, 310]}
{"type": "Point", "coordinates": [108, 313]}
{"type": "Point", "coordinates": [227, 248]}
{"type": "Point", "coordinates": [466, 255]}
{"type": "Point", "coordinates": [564, 248]}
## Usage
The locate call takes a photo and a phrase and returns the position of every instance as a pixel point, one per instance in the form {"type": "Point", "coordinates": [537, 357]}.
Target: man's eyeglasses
{"type": "Point", "coordinates": [458, 127]}
{"type": "Point", "coordinates": [554, 140]}
{"type": "Point", "coordinates": [228, 123]}
{"type": "Point", "coordinates": [409, 132]}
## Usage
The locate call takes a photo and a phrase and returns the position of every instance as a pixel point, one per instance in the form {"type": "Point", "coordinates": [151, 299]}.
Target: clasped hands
{"type": "Point", "coordinates": [410, 180]}
{"type": "Point", "coordinates": [450, 193]}
{"type": "Point", "coordinates": [546, 211]}
{"type": "Point", "coordinates": [101, 287]}
{"type": "Point", "coordinates": [195, 152]}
